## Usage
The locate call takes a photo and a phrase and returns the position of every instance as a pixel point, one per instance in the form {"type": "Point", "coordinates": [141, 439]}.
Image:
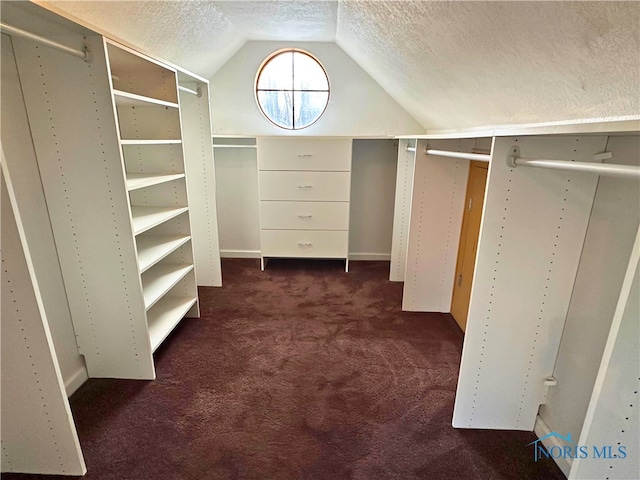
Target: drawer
{"type": "Point", "coordinates": [304, 215]}
{"type": "Point", "coordinates": [304, 154]}
{"type": "Point", "coordinates": [304, 243]}
{"type": "Point", "coordinates": [305, 186]}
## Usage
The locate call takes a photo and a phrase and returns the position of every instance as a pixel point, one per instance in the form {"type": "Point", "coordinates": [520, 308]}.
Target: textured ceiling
{"type": "Point", "coordinates": [449, 64]}
{"type": "Point", "coordinates": [202, 35]}
{"type": "Point", "coordinates": [464, 64]}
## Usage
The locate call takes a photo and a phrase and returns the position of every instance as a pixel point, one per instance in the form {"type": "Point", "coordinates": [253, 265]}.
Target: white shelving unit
{"type": "Point", "coordinates": [145, 96]}
{"type": "Point", "coordinates": [116, 195]}
{"type": "Point", "coordinates": [98, 226]}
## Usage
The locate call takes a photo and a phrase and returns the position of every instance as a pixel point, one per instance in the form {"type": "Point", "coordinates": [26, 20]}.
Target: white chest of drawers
{"type": "Point", "coordinates": [305, 187]}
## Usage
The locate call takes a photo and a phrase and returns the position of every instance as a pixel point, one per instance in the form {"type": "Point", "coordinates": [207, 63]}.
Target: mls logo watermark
{"type": "Point", "coordinates": [570, 449]}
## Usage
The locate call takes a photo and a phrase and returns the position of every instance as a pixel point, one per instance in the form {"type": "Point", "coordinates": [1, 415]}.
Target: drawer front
{"type": "Point", "coordinates": [304, 154]}
{"type": "Point", "coordinates": [304, 243]}
{"type": "Point", "coordinates": [304, 215]}
{"type": "Point", "coordinates": [305, 186]}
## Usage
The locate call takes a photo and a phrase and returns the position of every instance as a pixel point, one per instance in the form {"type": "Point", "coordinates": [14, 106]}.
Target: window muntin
{"type": "Point", "coordinates": [292, 89]}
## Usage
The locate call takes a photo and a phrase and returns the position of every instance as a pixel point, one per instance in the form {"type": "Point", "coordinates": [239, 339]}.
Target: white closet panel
{"type": "Point", "coordinates": [437, 205]}
{"type": "Point", "coordinates": [30, 200]}
{"type": "Point", "coordinates": [614, 412]}
{"type": "Point", "coordinates": [38, 434]}
{"type": "Point", "coordinates": [531, 237]}
{"type": "Point", "coordinates": [613, 225]}
{"type": "Point", "coordinates": [402, 210]}
{"type": "Point", "coordinates": [83, 179]}
{"type": "Point", "coordinates": [201, 182]}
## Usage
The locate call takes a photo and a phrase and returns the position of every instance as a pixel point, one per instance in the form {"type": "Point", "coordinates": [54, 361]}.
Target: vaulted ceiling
{"type": "Point", "coordinates": [449, 64]}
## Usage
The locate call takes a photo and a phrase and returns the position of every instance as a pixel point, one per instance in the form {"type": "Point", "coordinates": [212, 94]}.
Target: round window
{"type": "Point", "coordinates": [292, 89]}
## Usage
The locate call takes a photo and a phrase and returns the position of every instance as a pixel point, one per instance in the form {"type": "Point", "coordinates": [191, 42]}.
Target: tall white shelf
{"type": "Point", "coordinates": [100, 200]}
{"type": "Point", "coordinates": [109, 146]}
{"type": "Point", "coordinates": [145, 96]}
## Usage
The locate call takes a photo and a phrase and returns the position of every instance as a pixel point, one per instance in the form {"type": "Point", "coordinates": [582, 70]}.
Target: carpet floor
{"type": "Point", "coordinates": [299, 372]}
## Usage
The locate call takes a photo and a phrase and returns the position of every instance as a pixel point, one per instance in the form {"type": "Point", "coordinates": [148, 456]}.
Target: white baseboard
{"type": "Point", "coordinates": [541, 429]}
{"type": "Point", "coordinates": [381, 257]}
{"type": "Point", "coordinates": [76, 379]}
{"type": "Point", "coordinates": [240, 253]}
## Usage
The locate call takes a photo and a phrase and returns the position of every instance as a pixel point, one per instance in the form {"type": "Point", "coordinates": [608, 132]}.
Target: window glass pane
{"type": "Point", "coordinates": [292, 89]}
{"type": "Point", "coordinates": [308, 106]}
{"type": "Point", "coordinates": [308, 74]}
{"type": "Point", "coordinates": [277, 73]}
{"type": "Point", "coordinates": [278, 106]}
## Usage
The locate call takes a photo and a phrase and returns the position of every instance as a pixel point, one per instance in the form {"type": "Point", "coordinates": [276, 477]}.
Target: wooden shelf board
{"type": "Point", "coordinates": [149, 142]}
{"type": "Point", "coordinates": [145, 218]}
{"type": "Point", "coordinates": [126, 99]}
{"type": "Point", "coordinates": [164, 317]}
{"type": "Point", "coordinates": [141, 180]}
{"type": "Point", "coordinates": [153, 248]}
{"type": "Point", "coordinates": [157, 281]}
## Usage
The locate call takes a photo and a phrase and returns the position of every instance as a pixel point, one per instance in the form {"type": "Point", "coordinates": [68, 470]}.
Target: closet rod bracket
{"type": "Point", "coordinates": [513, 154]}
{"type": "Point", "coordinates": [87, 52]}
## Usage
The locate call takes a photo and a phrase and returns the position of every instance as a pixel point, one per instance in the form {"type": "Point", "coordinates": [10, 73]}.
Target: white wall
{"type": "Point", "coordinates": [373, 186]}
{"type": "Point", "coordinates": [358, 106]}
{"type": "Point", "coordinates": [372, 196]}
{"type": "Point", "coordinates": [237, 200]}
{"type": "Point", "coordinates": [608, 243]}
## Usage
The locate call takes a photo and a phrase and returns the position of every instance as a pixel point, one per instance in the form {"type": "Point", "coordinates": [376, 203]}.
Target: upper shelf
{"type": "Point", "coordinates": [141, 76]}
{"type": "Point", "coordinates": [617, 125]}
{"type": "Point", "coordinates": [126, 99]}
{"type": "Point", "coordinates": [150, 142]}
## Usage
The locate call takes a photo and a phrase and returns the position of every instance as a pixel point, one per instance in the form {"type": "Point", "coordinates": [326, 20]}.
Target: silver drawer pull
{"type": "Point", "coordinates": [304, 244]}
{"type": "Point", "coordinates": [305, 187]}
{"type": "Point", "coordinates": [305, 215]}
{"type": "Point", "coordinates": [304, 155]}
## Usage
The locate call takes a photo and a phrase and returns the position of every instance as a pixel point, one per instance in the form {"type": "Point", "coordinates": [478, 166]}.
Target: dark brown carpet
{"type": "Point", "coordinates": [299, 372]}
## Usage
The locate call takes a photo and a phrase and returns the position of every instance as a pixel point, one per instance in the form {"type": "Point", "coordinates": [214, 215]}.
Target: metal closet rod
{"type": "Point", "coordinates": [465, 156]}
{"type": "Point", "coordinates": [197, 92]}
{"type": "Point", "coordinates": [611, 170]}
{"type": "Point", "coordinates": [18, 32]}
{"type": "Point", "coordinates": [410, 149]}
{"type": "Point", "coordinates": [224, 145]}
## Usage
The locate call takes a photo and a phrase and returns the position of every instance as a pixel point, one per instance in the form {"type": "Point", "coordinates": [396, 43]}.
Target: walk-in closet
{"type": "Point", "coordinates": [320, 239]}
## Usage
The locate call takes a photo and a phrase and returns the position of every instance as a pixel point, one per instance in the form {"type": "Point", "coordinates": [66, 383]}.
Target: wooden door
{"type": "Point", "coordinates": [468, 242]}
